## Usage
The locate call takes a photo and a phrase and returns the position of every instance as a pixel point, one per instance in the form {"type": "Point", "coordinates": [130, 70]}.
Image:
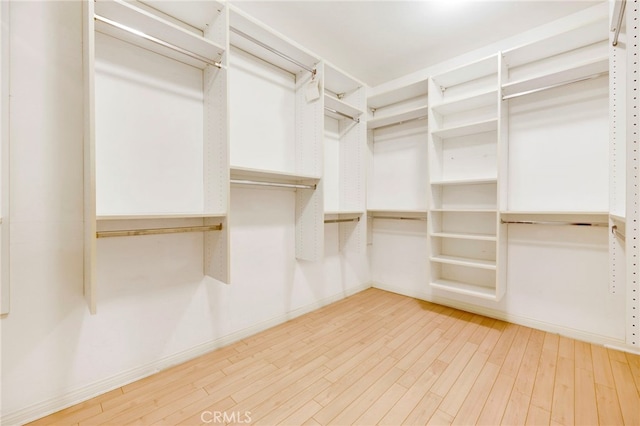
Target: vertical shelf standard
{"type": "Point", "coordinates": [5, 289]}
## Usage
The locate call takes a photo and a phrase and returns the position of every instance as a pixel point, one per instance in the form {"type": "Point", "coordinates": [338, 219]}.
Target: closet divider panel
{"type": "Point", "coordinates": [5, 288]}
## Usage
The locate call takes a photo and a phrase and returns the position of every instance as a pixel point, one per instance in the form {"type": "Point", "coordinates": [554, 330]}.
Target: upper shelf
{"type": "Point", "coordinates": [241, 22]}
{"type": "Point", "coordinates": [390, 97]}
{"type": "Point", "coordinates": [338, 83]}
{"type": "Point", "coordinates": [149, 216]}
{"type": "Point", "coordinates": [467, 129]}
{"type": "Point", "coordinates": [468, 72]}
{"type": "Point", "coordinates": [341, 107]}
{"type": "Point", "coordinates": [124, 15]}
{"type": "Point", "coordinates": [575, 72]}
{"type": "Point", "coordinates": [593, 32]}
{"type": "Point", "coordinates": [478, 100]}
{"type": "Point", "coordinates": [397, 118]}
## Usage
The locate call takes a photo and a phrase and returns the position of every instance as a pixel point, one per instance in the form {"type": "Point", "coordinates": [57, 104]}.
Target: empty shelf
{"type": "Point", "coordinates": [271, 175]}
{"type": "Point", "coordinates": [463, 261]}
{"type": "Point", "coordinates": [464, 288]}
{"type": "Point", "coordinates": [341, 107]}
{"type": "Point", "coordinates": [478, 181]}
{"type": "Point", "coordinates": [398, 118]}
{"type": "Point", "coordinates": [468, 103]}
{"type": "Point", "coordinates": [467, 129]}
{"type": "Point", "coordinates": [465, 236]}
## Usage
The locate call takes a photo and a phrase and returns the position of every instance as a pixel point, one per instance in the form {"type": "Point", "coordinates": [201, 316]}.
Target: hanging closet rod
{"type": "Point", "coordinates": [354, 219]}
{"type": "Point", "coordinates": [424, 219]}
{"type": "Point", "coordinates": [357, 120]}
{"type": "Point", "coordinates": [157, 231]}
{"type": "Point", "coordinates": [157, 41]}
{"type": "Point", "coordinates": [536, 222]}
{"type": "Point", "coordinates": [618, 15]}
{"type": "Point", "coordinates": [272, 50]}
{"type": "Point", "coordinates": [277, 184]}
{"type": "Point", "coordinates": [422, 117]}
{"type": "Point", "coordinates": [553, 86]}
{"type": "Point", "coordinates": [614, 231]}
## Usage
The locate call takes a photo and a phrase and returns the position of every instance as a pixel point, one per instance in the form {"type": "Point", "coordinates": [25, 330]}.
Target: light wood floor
{"type": "Point", "coordinates": [381, 358]}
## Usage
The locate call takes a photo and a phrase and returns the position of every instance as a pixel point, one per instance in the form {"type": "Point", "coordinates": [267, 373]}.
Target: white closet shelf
{"type": "Point", "coordinates": [342, 107]}
{"type": "Point", "coordinates": [397, 212]}
{"type": "Point", "coordinates": [614, 217]}
{"type": "Point", "coordinates": [464, 210]}
{"type": "Point", "coordinates": [468, 103]}
{"type": "Point", "coordinates": [467, 129]}
{"type": "Point", "coordinates": [240, 21]}
{"type": "Point", "coordinates": [468, 72]}
{"type": "Point", "coordinates": [397, 118]}
{"type": "Point", "coordinates": [147, 23]}
{"type": "Point", "coordinates": [464, 261]}
{"type": "Point", "coordinates": [465, 236]}
{"type": "Point", "coordinates": [465, 288]}
{"type": "Point", "coordinates": [343, 213]}
{"type": "Point", "coordinates": [394, 96]}
{"type": "Point", "coordinates": [566, 216]}
{"type": "Point", "coordinates": [593, 32]}
{"type": "Point", "coordinates": [475, 181]}
{"type": "Point", "coordinates": [147, 216]}
{"type": "Point", "coordinates": [556, 77]}
{"type": "Point", "coordinates": [272, 176]}
{"type": "Point", "coordinates": [337, 82]}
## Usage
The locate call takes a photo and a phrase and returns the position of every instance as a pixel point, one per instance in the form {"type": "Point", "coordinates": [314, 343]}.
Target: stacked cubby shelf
{"type": "Point", "coordinates": [160, 169]}
{"type": "Point", "coordinates": [345, 139]}
{"type": "Point", "coordinates": [466, 238]}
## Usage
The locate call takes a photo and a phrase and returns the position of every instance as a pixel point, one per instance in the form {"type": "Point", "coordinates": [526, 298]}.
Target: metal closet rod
{"type": "Point", "coordinates": [357, 120]}
{"type": "Point", "coordinates": [157, 231]}
{"type": "Point", "coordinates": [537, 222]}
{"type": "Point", "coordinates": [157, 41]}
{"type": "Point", "coordinates": [614, 231]}
{"type": "Point", "coordinates": [553, 86]}
{"type": "Point", "coordinates": [276, 184]}
{"type": "Point", "coordinates": [272, 50]}
{"type": "Point", "coordinates": [619, 12]}
{"type": "Point", "coordinates": [353, 219]}
{"type": "Point", "coordinates": [424, 219]}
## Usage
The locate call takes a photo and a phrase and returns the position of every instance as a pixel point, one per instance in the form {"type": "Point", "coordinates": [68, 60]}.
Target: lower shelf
{"type": "Point", "coordinates": [464, 261]}
{"type": "Point", "coordinates": [465, 288]}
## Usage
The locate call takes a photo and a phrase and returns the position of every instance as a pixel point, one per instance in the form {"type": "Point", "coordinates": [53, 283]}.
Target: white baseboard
{"type": "Point", "coordinates": [76, 396]}
{"type": "Point", "coordinates": [515, 319]}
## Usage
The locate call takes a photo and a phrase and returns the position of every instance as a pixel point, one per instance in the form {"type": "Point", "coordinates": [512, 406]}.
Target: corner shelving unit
{"type": "Point", "coordinates": [467, 242]}
{"type": "Point", "coordinates": [297, 161]}
{"type": "Point", "coordinates": [162, 169]}
{"type": "Point", "coordinates": [344, 144]}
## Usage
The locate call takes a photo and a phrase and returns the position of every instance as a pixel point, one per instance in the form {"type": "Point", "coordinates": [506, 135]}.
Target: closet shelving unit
{"type": "Point", "coordinates": [159, 170]}
{"type": "Point", "coordinates": [304, 172]}
{"type": "Point", "coordinates": [467, 250]}
{"type": "Point", "coordinates": [345, 141]}
{"type": "Point", "coordinates": [397, 124]}
{"type": "Point", "coordinates": [4, 160]}
{"type": "Point", "coordinates": [570, 57]}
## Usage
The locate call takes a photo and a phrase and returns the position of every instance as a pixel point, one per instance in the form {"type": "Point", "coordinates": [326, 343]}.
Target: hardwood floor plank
{"type": "Point", "coordinates": [455, 397]}
{"type": "Point", "coordinates": [627, 391]}
{"type": "Point", "coordinates": [528, 370]}
{"type": "Point", "coordinates": [562, 407]}
{"type": "Point", "coordinates": [537, 416]}
{"type": "Point", "coordinates": [381, 406]}
{"type": "Point", "coordinates": [474, 402]}
{"type": "Point", "coordinates": [304, 414]}
{"type": "Point", "coordinates": [497, 401]}
{"type": "Point", "coordinates": [500, 350]}
{"type": "Point", "coordinates": [440, 418]}
{"type": "Point", "coordinates": [586, 408]}
{"type": "Point", "coordinates": [517, 409]}
{"type": "Point", "coordinates": [608, 406]}
{"type": "Point", "coordinates": [583, 355]}
{"type": "Point", "coordinates": [542, 395]}
{"type": "Point", "coordinates": [513, 359]}
{"type": "Point", "coordinates": [293, 403]}
{"type": "Point", "coordinates": [424, 410]}
{"type": "Point", "coordinates": [634, 364]}
{"type": "Point", "coordinates": [442, 386]}
{"type": "Point", "coordinates": [602, 374]}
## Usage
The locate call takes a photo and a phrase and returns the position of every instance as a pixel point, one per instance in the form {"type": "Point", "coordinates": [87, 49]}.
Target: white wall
{"type": "Point", "coordinates": [154, 307]}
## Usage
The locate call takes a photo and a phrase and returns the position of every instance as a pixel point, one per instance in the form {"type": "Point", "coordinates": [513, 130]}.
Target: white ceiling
{"type": "Point", "coordinates": [377, 41]}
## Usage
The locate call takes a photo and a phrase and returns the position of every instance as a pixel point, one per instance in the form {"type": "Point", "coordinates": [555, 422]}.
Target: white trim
{"type": "Point", "coordinates": [583, 336]}
{"type": "Point", "coordinates": [75, 396]}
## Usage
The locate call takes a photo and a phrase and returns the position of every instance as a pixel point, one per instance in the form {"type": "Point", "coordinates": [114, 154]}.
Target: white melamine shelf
{"type": "Point", "coordinates": [337, 82]}
{"type": "Point", "coordinates": [479, 181]}
{"type": "Point", "coordinates": [593, 67]}
{"type": "Point", "coordinates": [464, 261]}
{"type": "Point", "coordinates": [341, 106]}
{"type": "Point", "coordinates": [390, 97]}
{"type": "Point", "coordinates": [564, 42]}
{"type": "Point", "coordinates": [614, 217]}
{"type": "Point", "coordinates": [468, 72]}
{"type": "Point", "coordinates": [468, 103]}
{"type": "Point", "coordinates": [270, 175]}
{"type": "Point", "coordinates": [397, 213]}
{"type": "Point", "coordinates": [344, 212]}
{"type": "Point", "coordinates": [148, 216]}
{"type": "Point", "coordinates": [467, 129]}
{"type": "Point", "coordinates": [241, 21]}
{"type": "Point", "coordinates": [464, 210]}
{"type": "Point", "coordinates": [465, 236]}
{"type": "Point", "coordinates": [464, 288]}
{"type": "Point", "coordinates": [140, 20]}
{"type": "Point", "coordinates": [398, 118]}
{"type": "Point", "coordinates": [568, 216]}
